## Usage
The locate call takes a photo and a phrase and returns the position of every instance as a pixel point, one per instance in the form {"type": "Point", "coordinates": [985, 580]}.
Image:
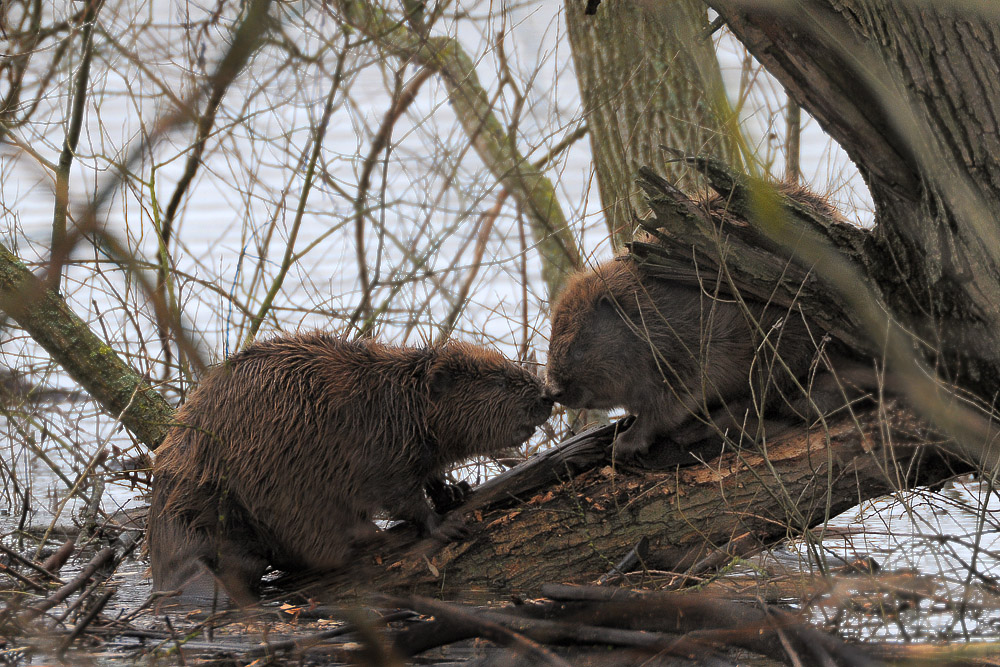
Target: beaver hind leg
{"type": "Point", "coordinates": [202, 547]}
{"type": "Point", "coordinates": [210, 575]}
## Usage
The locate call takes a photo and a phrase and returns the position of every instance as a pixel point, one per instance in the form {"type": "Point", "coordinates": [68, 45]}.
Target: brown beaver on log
{"type": "Point", "coordinates": [665, 351]}
{"type": "Point", "coordinates": [688, 364]}
{"type": "Point", "coordinates": [285, 452]}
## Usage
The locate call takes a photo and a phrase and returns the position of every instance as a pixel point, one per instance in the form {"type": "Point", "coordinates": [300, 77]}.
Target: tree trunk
{"type": "Point", "coordinates": [648, 76]}
{"type": "Point", "coordinates": [910, 91]}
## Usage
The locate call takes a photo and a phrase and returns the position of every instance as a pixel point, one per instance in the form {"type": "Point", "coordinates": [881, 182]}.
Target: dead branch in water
{"type": "Point", "coordinates": [692, 626]}
{"type": "Point", "coordinates": [103, 556]}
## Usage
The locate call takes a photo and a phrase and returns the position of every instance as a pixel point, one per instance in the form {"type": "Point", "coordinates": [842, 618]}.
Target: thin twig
{"type": "Point", "coordinates": [380, 142]}
{"type": "Point", "coordinates": [486, 222]}
{"type": "Point", "coordinates": [286, 261]}
{"type": "Point", "coordinates": [102, 557]}
{"type": "Point", "coordinates": [13, 555]}
{"type": "Point", "coordinates": [14, 574]}
{"type": "Point", "coordinates": [793, 118]}
{"type": "Point", "coordinates": [224, 75]}
{"type": "Point", "coordinates": [483, 627]}
{"type": "Point", "coordinates": [86, 620]}
{"type": "Point", "coordinates": [73, 134]}
{"type": "Point", "coordinates": [474, 110]}
{"type": "Point", "coordinates": [308, 641]}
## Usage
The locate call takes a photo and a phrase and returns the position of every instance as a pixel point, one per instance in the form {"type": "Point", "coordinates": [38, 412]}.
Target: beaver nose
{"type": "Point", "coordinates": [551, 393]}
{"type": "Point", "coordinates": [542, 409]}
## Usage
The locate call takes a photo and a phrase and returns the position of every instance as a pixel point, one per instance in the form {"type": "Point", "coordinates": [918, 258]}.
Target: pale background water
{"type": "Point", "coordinates": [435, 189]}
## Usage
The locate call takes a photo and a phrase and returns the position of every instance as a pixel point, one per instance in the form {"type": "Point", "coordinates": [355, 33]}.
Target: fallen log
{"type": "Point", "coordinates": [571, 514]}
{"type": "Point", "coordinates": [692, 626]}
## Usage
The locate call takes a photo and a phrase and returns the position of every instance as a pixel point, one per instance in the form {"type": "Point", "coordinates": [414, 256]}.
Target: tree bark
{"type": "Point", "coordinates": [42, 313]}
{"type": "Point", "coordinates": [527, 531]}
{"type": "Point", "coordinates": [911, 93]}
{"type": "Point", "coordinates": [648, 76]}
{"type": "Point", "coordinates": [720, 248]}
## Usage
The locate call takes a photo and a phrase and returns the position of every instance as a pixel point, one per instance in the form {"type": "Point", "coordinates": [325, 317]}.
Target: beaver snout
{"type": "Point", "coordinates": [542, 409]}
{"type": "Point", "coordinates": [570, 395]}
{"type": "Point", "coordinates": [552, 393]}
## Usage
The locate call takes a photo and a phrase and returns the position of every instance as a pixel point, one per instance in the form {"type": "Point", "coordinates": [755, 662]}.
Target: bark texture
{"type": "Point", "coordinates": [42, 313]}
{"type": "Point", "coordinates": [648, 76]}
{"type": "Point", "coordinates": [911, 93]}
{"type": "Point", "coordinates": [527, 531]}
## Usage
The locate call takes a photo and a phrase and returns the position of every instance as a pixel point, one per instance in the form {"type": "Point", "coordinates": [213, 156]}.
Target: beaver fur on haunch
{"type": "Point", "coordinates": [284, 453]}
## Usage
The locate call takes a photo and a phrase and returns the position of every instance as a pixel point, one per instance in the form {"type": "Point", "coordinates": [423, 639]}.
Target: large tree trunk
{"type": "Point", "coordinates": [910, 90]}
{"type": "Point", "coordinates": [647, 78]}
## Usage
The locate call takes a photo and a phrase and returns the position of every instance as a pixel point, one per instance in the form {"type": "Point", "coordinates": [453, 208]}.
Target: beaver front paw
{"type": "Point", "coordinates": [631, 443]}
{"type": "Point", "coordinates": [444, 496]}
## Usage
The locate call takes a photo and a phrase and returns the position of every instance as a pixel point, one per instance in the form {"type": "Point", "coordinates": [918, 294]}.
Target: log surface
{"type": "Point", "coordinates": [571, 514]}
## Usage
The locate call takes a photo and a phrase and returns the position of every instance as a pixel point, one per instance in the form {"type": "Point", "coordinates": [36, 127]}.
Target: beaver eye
{"type": "Point", "coordinates": [576, 353]}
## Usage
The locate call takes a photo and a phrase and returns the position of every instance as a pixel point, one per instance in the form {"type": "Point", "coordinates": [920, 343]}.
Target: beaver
{"type": "Point", "coordinates": [683, 361]}
{"type": "Point", "coordinates": [284, 453]}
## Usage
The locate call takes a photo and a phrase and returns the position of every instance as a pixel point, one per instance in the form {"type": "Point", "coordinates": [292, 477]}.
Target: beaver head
{"type": "Point", "coordinates": [480, 403]}
{"type": "Point", "coordinates": [592, 347]}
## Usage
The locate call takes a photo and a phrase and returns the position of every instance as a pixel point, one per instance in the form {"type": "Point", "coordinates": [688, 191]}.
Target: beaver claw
{"type": "Point", "coordinates": [443, 529]}
{"type": "Point", "coordinates": [445, 496]}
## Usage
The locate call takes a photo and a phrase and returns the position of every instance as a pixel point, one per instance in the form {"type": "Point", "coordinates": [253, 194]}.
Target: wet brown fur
{"type": "Point", "coordinates": [667, 352]}
{"type": "Point", "coordinates": [287, 451]}
{"type": "Point", "coordinates": [676, 356]}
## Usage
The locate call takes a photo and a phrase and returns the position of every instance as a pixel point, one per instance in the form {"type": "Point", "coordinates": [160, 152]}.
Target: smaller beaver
{"type": "Point", "coordinates": [284, 454]}
{"type": "Point", "coordinates": [666, 352]}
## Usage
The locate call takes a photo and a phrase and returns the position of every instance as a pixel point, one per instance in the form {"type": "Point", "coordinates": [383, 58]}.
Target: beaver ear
{"type": "Point", "coordinates": [439, 381]}
{"type": "Point", "coordinates": [605, 312]}
{"type": "Point", "coordinates": [605, 305]}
